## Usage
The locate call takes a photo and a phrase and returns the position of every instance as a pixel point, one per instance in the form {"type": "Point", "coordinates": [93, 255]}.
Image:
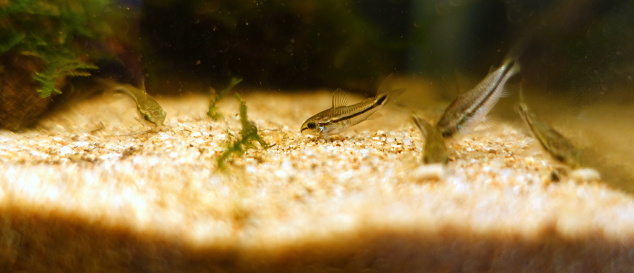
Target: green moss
{"type": "Point", "coordinates": [52, 31]}
{"type": "Point", "coordinates": [248, 135]}
{"type": "Point", "coordinates": [217, 96]}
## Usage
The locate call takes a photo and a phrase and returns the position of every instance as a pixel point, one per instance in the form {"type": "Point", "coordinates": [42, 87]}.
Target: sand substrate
{"type": "Point", "coordinates": [96, 189]}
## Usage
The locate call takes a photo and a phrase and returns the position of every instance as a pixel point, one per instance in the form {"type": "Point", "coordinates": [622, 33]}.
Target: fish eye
{"type": "Point", "coordinates": [311, 125]}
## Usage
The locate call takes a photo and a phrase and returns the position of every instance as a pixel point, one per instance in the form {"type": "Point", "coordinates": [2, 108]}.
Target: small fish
{"type": "Point", "coordinates": [435, 149]}
{"type": "Point", "coordinates": [146, 104]}
{"type": "Point", "coordinates": [339, 116]}
{"type": "Point", "coordinates": [471, 107]}
{"type": "Point", "coordinates": [557, 145]}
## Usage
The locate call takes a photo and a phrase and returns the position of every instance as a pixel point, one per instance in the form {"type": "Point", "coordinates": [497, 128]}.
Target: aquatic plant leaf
{"type": "Point", "coordinates": [216, 97]}
{"type": "Point", "coordinates": [49, 30]}
{"type": "Point", "coordinates": [248, 135]}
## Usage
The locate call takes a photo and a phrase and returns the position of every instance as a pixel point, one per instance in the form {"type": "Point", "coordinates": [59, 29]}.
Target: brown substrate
{"type": "Point", "coordinates": [20, 104]}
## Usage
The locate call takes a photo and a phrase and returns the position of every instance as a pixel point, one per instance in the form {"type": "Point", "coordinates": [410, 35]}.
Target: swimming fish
{"type": "Point", "coordinates": [146, 104]}
{"type": "Point", "coordinates": [471, 107]}
{"type": "Point", "coordinates": [557, 145]}
{"type": "Point", "coordinates": [340, 116]}
{"type": "Point", "coordinates": [435, 149]}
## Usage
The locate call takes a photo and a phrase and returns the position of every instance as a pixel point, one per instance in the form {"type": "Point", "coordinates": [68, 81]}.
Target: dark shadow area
{"type": "Point", "coordinates": [41, 242]}
{"type": "Point", "coordinates": [270, 44]}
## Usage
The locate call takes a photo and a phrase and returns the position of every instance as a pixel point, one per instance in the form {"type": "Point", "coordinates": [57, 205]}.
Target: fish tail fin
{"type": "Point", "coordinates": [511, 67]}
{"type": "Point", "coordinates": [422, 124]}
{"type": "Point", "coordinates": [522, 108]}
{"type": "Point", "coordinates": [386, 92]}
{"type": "Point", "coordinates": [511, 60]}
{"type": "Point", "coordinates": [521, 92]}
{"type": "Point", "coordinates": [519, 46]}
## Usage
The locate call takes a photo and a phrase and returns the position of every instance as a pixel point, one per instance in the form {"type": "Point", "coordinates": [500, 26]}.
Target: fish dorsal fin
{"type": "Point", "coordinates": [339, 98]}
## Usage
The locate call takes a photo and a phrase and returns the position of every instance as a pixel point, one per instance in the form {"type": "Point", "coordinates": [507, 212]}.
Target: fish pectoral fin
{"type": "Point", "coordinates": [339, 98]}
{"type": "Point", "coordinates": [487, 124]}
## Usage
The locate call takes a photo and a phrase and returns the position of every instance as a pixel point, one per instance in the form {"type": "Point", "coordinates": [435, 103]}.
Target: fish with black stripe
{"type": "Point", "coordinates": [470, 108]}
{"type": "Point", "coordinates": [340, 116]}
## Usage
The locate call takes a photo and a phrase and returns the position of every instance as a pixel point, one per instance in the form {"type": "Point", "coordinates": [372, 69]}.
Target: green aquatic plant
{"type": "Point", "coordinates": [217, 96]}
{"type": "Point", "coordinates": [53, 31]}
{"type": "Point", "coordinates": [248, 135]}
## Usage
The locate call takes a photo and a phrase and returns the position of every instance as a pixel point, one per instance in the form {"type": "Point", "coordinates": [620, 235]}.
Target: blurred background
{"type": "Point", "coordinates": [583, 45]}
{"type": "Point", "coordinates": [293, 45]}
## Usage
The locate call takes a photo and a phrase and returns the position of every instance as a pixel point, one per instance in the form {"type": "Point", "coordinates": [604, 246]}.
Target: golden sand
{"type": "Point", "coordinates": [96, 189]}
